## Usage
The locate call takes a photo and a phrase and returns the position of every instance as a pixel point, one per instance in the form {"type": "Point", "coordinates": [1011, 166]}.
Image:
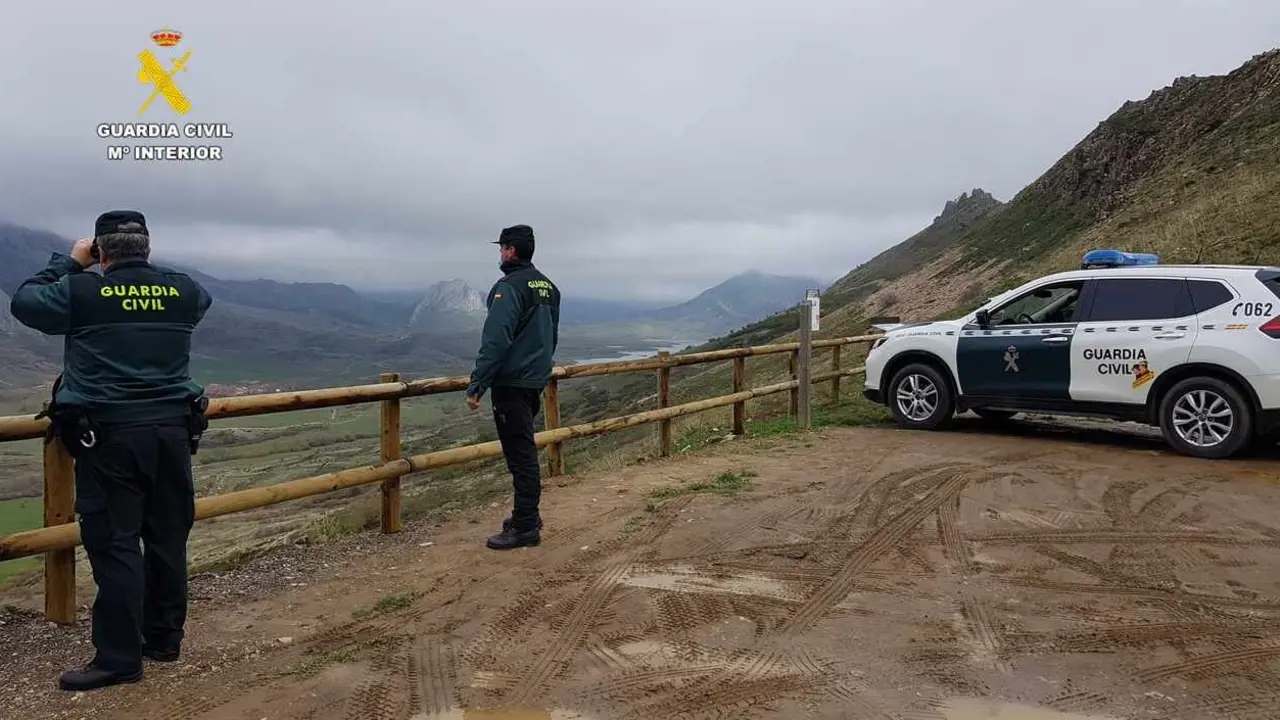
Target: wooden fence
{"type": "Point", "coordinates": [60, 535]}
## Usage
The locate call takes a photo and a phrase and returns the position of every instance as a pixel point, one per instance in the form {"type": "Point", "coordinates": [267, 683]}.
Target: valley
{"type": "Point", "coordinates": [1189, 173]}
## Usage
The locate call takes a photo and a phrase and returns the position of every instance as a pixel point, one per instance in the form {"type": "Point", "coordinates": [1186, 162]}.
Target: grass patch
{"type": "Point", "coordinates": [16, 516]}
{"type": "Point", "coordinates": [386, 604]}
{"type": "Point", "coordinates": [316, 663]}
{"type": "Point", "coordinates": [851, 412]}
{"type": "Point", "coordinates": [632, 525]}
{"type": "Point", "coordinates": [728, 482]}
{"type": "Point", "coordinates": [231, 561]}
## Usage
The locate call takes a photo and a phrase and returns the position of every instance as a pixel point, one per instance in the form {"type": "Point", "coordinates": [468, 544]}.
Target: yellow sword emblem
{"type": "Point", "coordinates": [153, 72]}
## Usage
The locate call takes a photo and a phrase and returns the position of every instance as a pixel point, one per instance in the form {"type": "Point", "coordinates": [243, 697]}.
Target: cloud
{"type": "Point", "coordinates": [655, 147]}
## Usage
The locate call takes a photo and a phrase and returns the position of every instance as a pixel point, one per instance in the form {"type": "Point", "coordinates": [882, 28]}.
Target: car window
{"type": "Point", "coordinates": [1121, 299]}
{"type": "Point", "coordinates": [1046, 304]}
{"type": "Point", "coordinates": [1208, 294]}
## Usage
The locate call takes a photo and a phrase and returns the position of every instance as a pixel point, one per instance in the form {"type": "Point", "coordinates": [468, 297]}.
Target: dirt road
{"type": "Point", "coordinates": [863, 574]}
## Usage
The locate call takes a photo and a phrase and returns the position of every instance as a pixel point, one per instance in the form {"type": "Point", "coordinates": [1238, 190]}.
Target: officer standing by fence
{"type": "Point", "coordinates": [129, 413]}
{"type": "Point", "coordinates": [515, 359]}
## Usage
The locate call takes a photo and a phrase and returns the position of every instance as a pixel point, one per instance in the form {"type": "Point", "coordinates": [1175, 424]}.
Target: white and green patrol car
{"type": "Point", "coordinates": [1191, 349]}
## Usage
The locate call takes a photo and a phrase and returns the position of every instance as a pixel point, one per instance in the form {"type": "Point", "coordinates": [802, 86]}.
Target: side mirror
{"type": "Point", "coordinates": [983, 318]}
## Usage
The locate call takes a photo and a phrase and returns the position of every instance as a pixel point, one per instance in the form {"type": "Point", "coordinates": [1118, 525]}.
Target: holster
{"type": "Point", "coordinates": [197, 422]}
{"type": "Point", "coordinates": [71, 424]}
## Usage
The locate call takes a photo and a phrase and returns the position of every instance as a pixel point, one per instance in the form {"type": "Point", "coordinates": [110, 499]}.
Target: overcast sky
{"type": "Point", "coordinates": [656, 147]}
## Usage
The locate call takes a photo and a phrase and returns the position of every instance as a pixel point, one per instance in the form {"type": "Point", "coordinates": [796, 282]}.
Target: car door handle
{"type": "Point", "coordinates": [1171, 335]}
{"type": "Point", "coordinates": [1055, 339]}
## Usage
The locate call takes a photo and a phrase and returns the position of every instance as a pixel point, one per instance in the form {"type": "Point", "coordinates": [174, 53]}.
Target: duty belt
{"type": "Point", "coordinates": [70, 423]}
{"type": "Point", "coordinates": [197, 423]}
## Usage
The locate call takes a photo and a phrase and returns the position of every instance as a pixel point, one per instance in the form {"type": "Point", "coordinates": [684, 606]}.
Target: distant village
{"type": "Point", "coordinates": [222, 390]}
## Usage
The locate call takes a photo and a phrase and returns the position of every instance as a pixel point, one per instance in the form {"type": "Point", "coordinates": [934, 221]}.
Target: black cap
{"type": "Point", "coordinates": [110, 222]}
{"type": "Point", "coordinates": [516, 235]}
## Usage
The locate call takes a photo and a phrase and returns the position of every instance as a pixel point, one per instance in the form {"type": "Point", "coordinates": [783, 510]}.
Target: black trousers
{"type": "Point", "coordinates": [514, 411]}
{"type": "Point", "coordinates": [137, 484]}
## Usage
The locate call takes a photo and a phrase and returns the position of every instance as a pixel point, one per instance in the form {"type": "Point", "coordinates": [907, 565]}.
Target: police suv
{"type": "Point", "coordinates": [1191, 349]}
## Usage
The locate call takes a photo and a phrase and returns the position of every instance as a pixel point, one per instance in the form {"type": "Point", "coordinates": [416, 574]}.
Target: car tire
{"type": "Point", "coordinates": [994, 415]}
{"type": "Point", "coordinates": [927, 402]}
{"type": "Point", "coordinates": [1205, 417]}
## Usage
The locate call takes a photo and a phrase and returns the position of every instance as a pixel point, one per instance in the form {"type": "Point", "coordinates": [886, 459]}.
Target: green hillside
{"type": "Point", "coordinates": [1191, 173]}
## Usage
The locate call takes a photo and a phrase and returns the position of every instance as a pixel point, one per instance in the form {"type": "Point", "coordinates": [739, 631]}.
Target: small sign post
{"type": "Point", "coordinates": [814, 299]}
{"type": "Point", "coordinates": [804, 357]}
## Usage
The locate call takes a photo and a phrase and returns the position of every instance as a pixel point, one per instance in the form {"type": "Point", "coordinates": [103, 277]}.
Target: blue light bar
{"type": "Point", "coordinates": [1116, 258]}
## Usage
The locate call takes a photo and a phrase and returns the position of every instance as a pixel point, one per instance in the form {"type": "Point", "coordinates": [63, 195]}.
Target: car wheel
{"type": "Point", "coordinates": [1206, 417]}
{"type": "Point", "coordinates": [994, 415]}
{"type": "Point", "coordinates": [920, 398]}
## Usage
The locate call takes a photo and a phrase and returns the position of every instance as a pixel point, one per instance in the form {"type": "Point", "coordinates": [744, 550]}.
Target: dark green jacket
{"type": "Point", "coordinates": [127, 350]}
{"type": "Point", "coordinates": [521, 332]}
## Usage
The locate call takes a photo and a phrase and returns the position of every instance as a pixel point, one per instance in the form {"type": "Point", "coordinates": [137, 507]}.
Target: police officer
{"type": "Point", "coordinates": [519, 339]}
{"type": "Point", "coordinates": [128, 411]}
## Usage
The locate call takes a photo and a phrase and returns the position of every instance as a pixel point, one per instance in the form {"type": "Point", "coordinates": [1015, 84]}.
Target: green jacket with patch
{"type": "Point", "coordinates": [520, 333]}
{"type": "Point", "coordinates": [127, 347]}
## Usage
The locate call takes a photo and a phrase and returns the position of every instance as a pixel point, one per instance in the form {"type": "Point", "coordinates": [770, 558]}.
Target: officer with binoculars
{"type": "Point", "coordinates": [127, 410]}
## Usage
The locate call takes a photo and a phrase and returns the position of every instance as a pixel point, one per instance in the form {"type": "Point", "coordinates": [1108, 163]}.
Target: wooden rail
{"type": "Point", "coordinates": [58, 539]}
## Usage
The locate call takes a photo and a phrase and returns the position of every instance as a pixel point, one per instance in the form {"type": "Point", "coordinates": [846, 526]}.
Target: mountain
{"type": "Point", "coordinates": [24, 353]}
{"type": "Point", "coordinates": [1191, 173]}
{"type": "Point", "coordinates": [739, 300]}
{"type": "Point", "coordinates": [320, 300]}
{"type": "Point", "coordinates": [309, 334]}
{"type": "Point", "coordinates": [579, 311]}
{"type": "Point", "coordinates": [449, 306]}
{"type": "Point", "coordinates": [23, 251]}
{"type": "Point", "coordinates": [7, 322]}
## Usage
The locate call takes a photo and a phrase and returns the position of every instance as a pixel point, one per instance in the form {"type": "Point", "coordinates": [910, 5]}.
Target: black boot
{"type": "Point", "coordinates": [510, 538]}
{"type": "Point", "coordinates": [159, 655]}
{"type": "Point", "coordinates": [507, 523]}
{"type": "Point", "coordinates": [93, 677]}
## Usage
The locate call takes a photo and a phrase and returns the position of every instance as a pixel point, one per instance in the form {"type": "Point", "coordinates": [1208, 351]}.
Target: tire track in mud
{"type": "Point", "coordinates": [187, 705]}
{"type": "Point", "coordinates": [680, 613]}
{"type": "Point", "coordinates": [636, 685]}
{"type": "Point", "coordinates": [530, 607]}
{"type": "Point", "coordinates": [1202, 665]}
{"type": "Point", "coordinates": [385, 696]}
{"type": "Point", "coordinates": [1108, 639]}
{"type": "Point", "coordinates": [1262, 706]}
{"type": "Point", "coordinates": [1125, 581]}
{"type": "Point", "coordinates": [975, 611]}
{"type": "Point", "coordinates": [698, 547]}
{"type": "Point", "coordinates": [870, 550]}
{"type": "Point", "coordinates": [1078, 701]}
{"type": "Point", "coordinates": [1160, 509]}
{"type": "Point", "coordinates": [432, 677]}
{"type": "Point", "coordinates": [1107, 537]}
{"type": "Point", "coordinates": [555, 659]}
{"type": "Point", "coordinates": [831, 545]}
{"type": "Point", "coordinates": [855, 706]}
{"type": "Point", "coordinates": [576, 626]}
{"type": "Point", "coordinates": [747, 679]}
{"type": "Point", "coordinates": [953, 546]}
{"type": "Point", "coordinates": [371, 630]}
{"type": "Point", "coordinates": [1173, 596]}
{"type": "Point", "coordinates": [1117, 502]}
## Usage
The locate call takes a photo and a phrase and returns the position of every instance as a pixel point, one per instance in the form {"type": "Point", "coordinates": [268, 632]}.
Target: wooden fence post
{"type": "Point", "coordinates": [804, 362]}
{"type": "Point", "coordinates": [794, 409]}
{"type": "Point", "coordinates": [555, 453]}
{"type": "Point", "coordinates": [740, 384]}
{"type": "Point", "coordinates": [664, 400]}
{"type": "Point", "coordinates": [59, 508]}
{"type": "Point", "coordinates": [835, 381]}
{"type": "Point", "coordinates": [390, 440]}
